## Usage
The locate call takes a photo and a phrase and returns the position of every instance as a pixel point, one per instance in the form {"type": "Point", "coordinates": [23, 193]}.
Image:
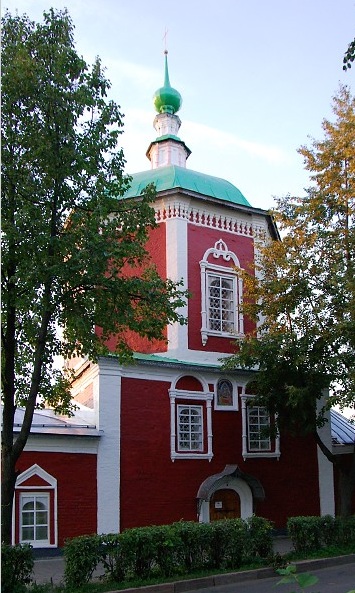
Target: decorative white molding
{"type": "Point", "coordinates": [220, 250]}
{"type": "Point", "coordinates": [200, 217]}
{"type": "Point", "coordinates": [203, 396]}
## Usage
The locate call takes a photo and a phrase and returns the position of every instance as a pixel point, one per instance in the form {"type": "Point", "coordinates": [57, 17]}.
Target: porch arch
{"type": "Point", "coordinates": [248, 488]}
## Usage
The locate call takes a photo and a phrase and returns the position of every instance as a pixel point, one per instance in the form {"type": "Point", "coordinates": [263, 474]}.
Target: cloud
{"type": "Point", "coordinates": [226, 141]}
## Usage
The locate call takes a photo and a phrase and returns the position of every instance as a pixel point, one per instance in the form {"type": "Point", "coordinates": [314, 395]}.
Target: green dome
{"type": "Point", "coordinates": [166, 99]}
{"type": "Point", "coordinates": [174, 177]}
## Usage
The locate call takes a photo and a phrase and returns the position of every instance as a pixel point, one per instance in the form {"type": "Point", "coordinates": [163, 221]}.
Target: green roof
{"type": "Point", "coordinates": [173, 177]}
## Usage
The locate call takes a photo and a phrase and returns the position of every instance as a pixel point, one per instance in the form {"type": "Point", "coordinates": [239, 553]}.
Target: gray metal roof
{"type": "Point", "coordinates": [343, 431]}
{"type": "Point", "coordinates": [46, 422]}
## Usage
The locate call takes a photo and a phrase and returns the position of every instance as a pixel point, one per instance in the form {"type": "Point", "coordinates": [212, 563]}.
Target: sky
{"type": "Point", "coordinates": [257, 78]}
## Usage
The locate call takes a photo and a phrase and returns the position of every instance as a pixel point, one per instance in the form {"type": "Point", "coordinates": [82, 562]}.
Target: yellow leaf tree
{"type": "Point", "coordinates": [302, 294]}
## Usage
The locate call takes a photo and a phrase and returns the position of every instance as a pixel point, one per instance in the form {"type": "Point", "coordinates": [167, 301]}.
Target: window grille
{"type": "Point", "coordinates": [190, 428]}
{"type": "Point", "coordinates": [258, 424]}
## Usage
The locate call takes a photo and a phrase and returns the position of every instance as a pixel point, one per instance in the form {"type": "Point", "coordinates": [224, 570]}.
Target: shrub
{"type": "Point", "coordinates": [312, 533]}
{"type": "Point", "coordinates": [305, 533]}
{"type": "Point", "coordinates": [81, 558]}
{"type": "Point", "coordinates": [195, 545]}
{"type": "Point", "coordinates": [138, 551]}
{"type": "Point", "coordinates": [167, 544]}
{"type": "Point", "coordinates": [259, 537]}
{"type": "Point", "coordinates": [346, 529]}
{"type": "Point", "coordinates": [16, 568]}
{"type": "Point", "coordinates": [112, 557]}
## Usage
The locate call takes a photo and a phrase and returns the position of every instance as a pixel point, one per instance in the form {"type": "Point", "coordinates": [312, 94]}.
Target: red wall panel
{"type": "Point", "coordinates": [155, 490]}
{"type": "Point", "coordinates": [156, 248]}
{"type": "Point", "coordinates": [198, 243]}
{"type": "Point", "coordinates": [76, 489]}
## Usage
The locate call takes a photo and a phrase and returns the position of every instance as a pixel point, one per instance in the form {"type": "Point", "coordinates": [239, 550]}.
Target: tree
{"type": "Point", "coordinates": [302, 294]}
{"type": "Point", "coordinates": [68, 236]}
{"type": "Point", "coordinates": [349, 56]}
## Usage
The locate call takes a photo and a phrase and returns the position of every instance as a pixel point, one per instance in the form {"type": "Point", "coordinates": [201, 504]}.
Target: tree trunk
{"type": "Point", "coordinates": [8, 479]}
{"type": "Point", "coordinates": [346, 486]}
{"type": "Point", "coordinates": [345, 493]}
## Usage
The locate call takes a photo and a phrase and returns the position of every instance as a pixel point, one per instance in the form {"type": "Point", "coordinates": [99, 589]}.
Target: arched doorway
{"type": "Point", "coordinates": [224, 504]}
{"type": "Point", "coordinates": [231, 493]}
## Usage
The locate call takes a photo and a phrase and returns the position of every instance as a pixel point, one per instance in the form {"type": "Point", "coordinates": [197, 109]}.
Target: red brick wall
{"type": "Point", "coordinates": [198, 243]}
{"type": "Point", "coordinates": [76, 489]}
{"type": "Point", "coordinates": [155, 490]}
{"type": "Point", "coordinates": [156, 248]}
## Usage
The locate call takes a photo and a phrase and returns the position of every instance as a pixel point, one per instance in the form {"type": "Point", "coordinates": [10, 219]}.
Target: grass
{"type": "Point", "coordinates": [276, 561]}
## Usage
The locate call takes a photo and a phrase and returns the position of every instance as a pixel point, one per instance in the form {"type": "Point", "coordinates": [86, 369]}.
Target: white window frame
{"type": "Point", "coordinates": [185, 399]}
{"type": "Point", "coordinates": [49, 487]}
{"type": "Point", "coordinates": [221, 272]}
{"type": "Point", "coordinates": [274, 450]}
{"type": "Point", "coordinates": [27, 497]}
{"type": "Point", "coordinates": [234, 405]}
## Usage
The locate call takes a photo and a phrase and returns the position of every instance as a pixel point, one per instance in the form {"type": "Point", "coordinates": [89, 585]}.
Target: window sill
{"type": "Point", "coordinates": [261, 454]}
{"type": "Point", "coordinates": [191, 456]}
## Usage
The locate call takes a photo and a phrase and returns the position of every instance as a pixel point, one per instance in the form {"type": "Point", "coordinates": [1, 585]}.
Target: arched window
{"type": "Point", "coordinates": [221, 294]}
{"type": "Point", "coordinates": [190, 419]}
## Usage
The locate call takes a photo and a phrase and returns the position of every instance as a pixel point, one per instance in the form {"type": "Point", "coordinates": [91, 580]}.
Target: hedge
{"type": "Point", "coordinates": [309, 534]}
{"type": "Point", "coordinates": [16, 568]}
{"type": "Point", "coordinates": [167, 550]}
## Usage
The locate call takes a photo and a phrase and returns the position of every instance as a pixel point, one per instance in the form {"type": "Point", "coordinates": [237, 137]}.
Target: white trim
{"type": "Point", "coordinates": [325, 467]}
{"type": "Point", "coordinates": [188, 395]}
{"type": "Point", "coordinates": [63, 444]}
{"type": "Point", "coordinates": [107, 405]}
{"type": "Point", "coordinates": [176, 270]}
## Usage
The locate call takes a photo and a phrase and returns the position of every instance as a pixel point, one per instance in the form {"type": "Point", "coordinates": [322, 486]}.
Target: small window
{"type": "Point", "coordinates": [190, 428]}
{"type": "Point", "coordinates": [35, 518]}
{"type": "Point", "coordinates": [258, 425]}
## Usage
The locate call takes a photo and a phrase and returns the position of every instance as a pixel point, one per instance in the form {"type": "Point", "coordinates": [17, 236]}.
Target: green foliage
{"type": "Point", "coordinates": [195, 547]}
{"type": "Point", "coordinates": [349, 56]}
{"type": "Point", "coordinates": [82, 554]}
{"type": "Point", "coordinates": [302, 295]}
{"type": "Point", "coordinates": [309, 534]}
{"type": "Point", "coordinates": [302, 579]}
{"type": "Point", "coordinates": [259, 537]}
{"type": "Point", "coordinates": [166, 550]}
{"type": "Point", "coordinates": [16, 568]}
{"type": "Point", "coordinates": [73, 249]}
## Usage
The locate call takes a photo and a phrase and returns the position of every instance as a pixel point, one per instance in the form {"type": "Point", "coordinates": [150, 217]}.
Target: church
{"type": "Point", "coordinates": [173, 436]}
